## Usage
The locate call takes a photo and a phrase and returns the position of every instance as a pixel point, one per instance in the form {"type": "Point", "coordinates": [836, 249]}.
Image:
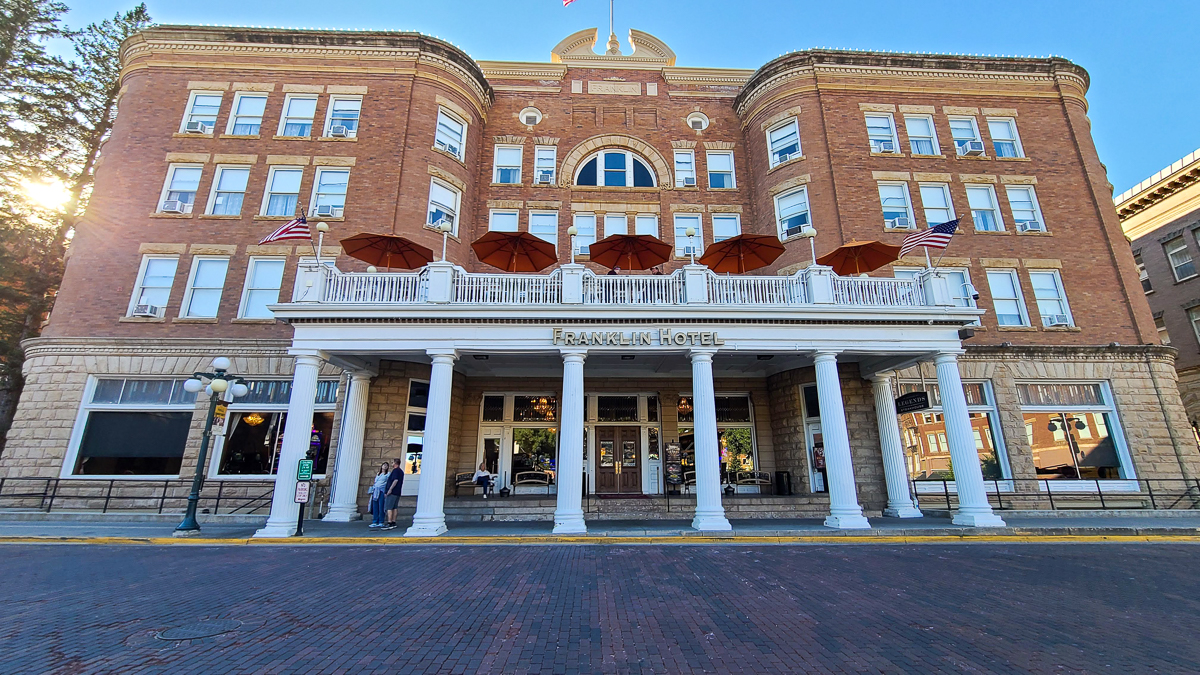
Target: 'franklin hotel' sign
{"type": "Point", "coordinates": [661, 338]}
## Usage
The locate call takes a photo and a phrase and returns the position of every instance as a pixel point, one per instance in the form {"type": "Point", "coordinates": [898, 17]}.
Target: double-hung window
{"type": "Point", "coordinates": [935, 200]}
{"type": "Point", "coordinates": [297, 118]}
{"type": "Point", "coordinates": [506, 168]}
{"type": "Point", "coordinates": [897, 211]}
{"type": "Point", "coordinates": [229, 190]}
{"type": "Point", "coordinates": [205, 284]}
{"type": "Point", "coordinates": [966, 135]}
{"type": "Point", "coordinates": [1004, 137]}
{"type": "Point", "coordinates": [720, 170]}
{"type": "Point", "coordinates": [544, 225]}
{"type": "Point", "coordinates": [685, 168]}
{"type": "Point", "coordinates": [201, 115]}
{"type": "Point", "coordinates": [503, 221]}
{"type": "Point", "coordinates": [684, 244]}
{"type": "Point", "coordinates": [329, 192]}
{"type": "Point", "coordinates": [1026, 213]}
{"type": "Point", "coordinates": [791, 212]}
{"type": "Point", "coordinates": [450, 133]}
{"type": "Point", "coordinates": [443, 205]}
{"type": "Point", "coordinates": [153, 287]}
{"type": "Point", "coordinates": [1160, 324]}
{"type": "Point", "coordinates": [264, 277]}
{"type": "Point", "coordinates": [1051, 298]}
{"type": "Point", "coordinates": [343, 116]}
{"type": "Point", "coordinates": [726, 226]}
{"type": "Point", "coordinates": [545, 162]}
{"type": "Point", "coordinates": [1180, 258]}
{"type": "Point", "coordinates": [615, 223]}
{"type": "Point", "coordinates": [922, 137]}
{"type": "Point", "coordinates": [283, 191]}
{"type": "Point", "coordinates": [646, 223]}
{"type": "Point", "coordinates": [1143, 275]}
{"type": "Point", "coordinates": [783, 140]}
{"type": "Point", "coordinates": [247, 116]}
{"type": "Point", "coordinates": [982, 200]}
{"type": "Point", "coordinates": [585, 227]}
{"type": "Point", "coordinates": [881, 133]}
{"type": "Point", "coordinates": [179, 193]}
{"type": "Point", "coordinates": [1194, 319]}
{"type": "Point", "coordinates": [1007, 302]}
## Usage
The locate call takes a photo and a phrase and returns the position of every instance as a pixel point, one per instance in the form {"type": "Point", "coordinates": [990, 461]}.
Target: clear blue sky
{"type": "Point", "coordinates": [1145, 87]}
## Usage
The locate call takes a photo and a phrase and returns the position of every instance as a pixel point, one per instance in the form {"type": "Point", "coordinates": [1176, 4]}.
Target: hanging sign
{"type": "Point", "coordinates": [913, 402]}
{"type": "Point", "coordinates": [220, 415]}
{"type": "Point", "coordinates": [303, 491]}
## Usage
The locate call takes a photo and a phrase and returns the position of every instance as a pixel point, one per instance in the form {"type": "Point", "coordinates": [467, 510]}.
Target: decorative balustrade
{"type": "Point", "coordinates": [633, 289]}
{"type": "Point", "coordinates": [508, 289]}
{"type": "Point", "coordinates": [877, 292]}
{"type": "Point", "coordinates": [377, 288]}
{"type": "Point", "coordinates": [742, 290]}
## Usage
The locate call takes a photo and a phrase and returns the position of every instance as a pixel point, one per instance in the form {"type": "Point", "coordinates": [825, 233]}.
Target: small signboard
{"type": "Point", "coordinates": [304, 470]}
{"type": "Point", "coordinates": [220, 415]}
{"type": "Point", "coordinates": [912, 402]}
{"type": "Point", "coordinates": [303, 491]}
{"type": "Point", "coordinates": [674, 464]}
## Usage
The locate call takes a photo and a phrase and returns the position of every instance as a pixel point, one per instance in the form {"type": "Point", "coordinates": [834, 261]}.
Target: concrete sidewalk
{"type": "Point", "coordinates": [1114, 526]}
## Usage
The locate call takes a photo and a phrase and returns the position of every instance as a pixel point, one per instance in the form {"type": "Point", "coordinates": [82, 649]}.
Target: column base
{"type": "Point", "coordinates": [905, 511]}
{"type": "Point", "coordinates": [711, 522]}
{"type": "Point", "coordinates": [273, 531]}
{"type": "Point", "coordinates": [847, 522]}
{"type": "Point", "coordinates": [978, 520]}
{"type": "Point", "coordinates": [426, 530]}
{"type": "Point", "coordinates": [342, 513]}
{"type": "Point", "coordinates": [571, 524]}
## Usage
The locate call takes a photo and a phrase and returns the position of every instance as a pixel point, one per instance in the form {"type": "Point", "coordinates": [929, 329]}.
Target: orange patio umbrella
{"type": "Point", "coordinates": [387, 250]}
{"type": "Point", "coordinates": [742, 253]}
{"type": "Point", "coordinates": [630, 251]}
{"type": "Point", "coordinates": [515, 251]}
{"type": "Point", "coordinates": [856, 257]}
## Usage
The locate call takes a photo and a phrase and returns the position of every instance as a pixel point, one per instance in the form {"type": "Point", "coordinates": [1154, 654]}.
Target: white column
{"type": "Point", "coordinates": [710, 513]}
{"type": "Point", "coordinates": [973, 507]}
{"type": "Point", "coordinates": [900, 503]}
{"type": "Point", "coordinates": [296, 438]}
{"type": "Point", "coordinates": [568, 513]}
{"type": "Point", "coordinates": [430, 520]}
{"type": "Point", "coordinates": [344, 506]}
{"type": "Point", "coordinates": [844, 510]}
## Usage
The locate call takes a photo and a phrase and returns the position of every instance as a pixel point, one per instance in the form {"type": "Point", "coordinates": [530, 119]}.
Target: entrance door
{"type": "Point", "coordinates": [618, 453]}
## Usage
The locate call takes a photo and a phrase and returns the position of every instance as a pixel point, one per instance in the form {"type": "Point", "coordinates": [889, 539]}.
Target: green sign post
{"type": "Point", "coordinates": [304, 470]}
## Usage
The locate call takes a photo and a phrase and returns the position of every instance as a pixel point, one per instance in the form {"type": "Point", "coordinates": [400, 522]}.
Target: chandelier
{"type": "Point", "coordinates": [543, 407]}
{"type": "Point", "coordinates": [685, 405]}
{"type": "Point", "coordinates": [254, 419]}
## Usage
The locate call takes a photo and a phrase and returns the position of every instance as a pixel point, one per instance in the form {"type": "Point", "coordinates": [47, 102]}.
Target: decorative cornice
{"type": "Point", "coordinates": [506, 70]}
{"type": "Point", "coordinates": [706, 76]}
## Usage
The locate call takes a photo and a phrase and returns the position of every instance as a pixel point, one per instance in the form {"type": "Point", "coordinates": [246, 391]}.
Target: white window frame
{"type": "Point", "coordinates": [575, 218]}
{"type": "Point", "coordinates": [1033, 198]}
{"type": "Point", "coordinates": [937, 148]}
{"type": "Point", "coordinates": [681, 174]}
{"type": "Point", "coordinates": [783, 235]}
{"type": "Point", "coordinates": [1116, 432]}
{"type": "Point", "coordinates": [313, 198]}
{"type": "Point", "coordinates": [1020, 297]}
{"type": "Point", "coordinates": [875, 141]}
{"type": "Point", "coordinates": [996, 215]}
{"type": "Point", "coordinates": [539, 163]}
{"type": "Point", "coordinates": [216, 182]}
{"type": "Point", "coordinates": [991, 409]}
{"type": "Point", "coordinates": [251, 264]}
{"type": "Point", "coordinates": [1193, 314]}
{"type": "Point", "coordinates": [456, 207]}
{"type": "Point", "coordinates": [1143, 274]}
{"type": "Point", "coordinates": [284, 118]}
{"type": "Point", "coordinates": [266, 200]}
{"type": "Point", "coordinates": [618, 222]}
{"type": "Point", "coordinates": [708, 155]}
{"type": "Point", "coordinates": [351, 133]}
{"type": "Point", "coordinates": [171, 169]}
{"type": "Point", "coordinates": [1015, 140]}
{"type": "Point", "coordinates": [908, 208]}
{"type": "Point", "coordinates": [639, 221]}
{"type": "Point", "coordinates": [438, 143]}
{"type": "Point", "coordinates": [515, 214]}
{"type": "Point", "coordinates": [974, 127]}
{"type": "Point", "coordinates": [186, 306]}
{"type": "Point", "coordinates": [773, 156]}
{"type": "Point", "coordinates": [945, 188]}
{"type": "Point", "coordinates": [736, 218]}
{"type": "Point", "coordinates": [187, 112]}
{"type": "Point", "coordinates": [1059, 288]}
{"type": "Point", "coordinates": [496, 167]}
{"type": "Point", "coordinates": [233, 112]}
{"type": "Point", "coordinates": [630, 158]}
{"type": "Point", "coordinates": [1184, 248]}
{"type": "Point", "coordinates": [552, 235]}
{"type": "Point", "coordinates": [682, 242]}
{"type": "Point", "coordinates": [139, 281]}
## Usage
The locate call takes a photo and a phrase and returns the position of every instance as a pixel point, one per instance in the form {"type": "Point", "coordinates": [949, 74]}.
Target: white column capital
{"type": "Point", "coordinates": [573, 355]}
{"type": "Point", "coordinates": [702, 354]}
{"type": "Point", "coordinates": [947, 357]}
{"type": "Point", "coordinates": [443, 355]}
{"type": "Point", "coordinates": [361, 375]}
{"type": "Point", "coordinates": [308, 358]}
{"type": "Point", "coordinates": [880, 379]}
{"type": "Point", "coordinates": [826, 355]}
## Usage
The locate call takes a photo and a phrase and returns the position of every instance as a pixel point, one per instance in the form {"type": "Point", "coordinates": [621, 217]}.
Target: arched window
{"type": "Point", "coordinates": [615, 168]}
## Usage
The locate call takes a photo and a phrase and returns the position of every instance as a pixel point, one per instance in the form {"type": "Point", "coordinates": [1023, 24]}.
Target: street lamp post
{"type": "Point", "coordinates": [572, 231]}
{"type": "Point", "coordinates": [220, 383]}
{"type": "Point", "coordinates": [691, 235]}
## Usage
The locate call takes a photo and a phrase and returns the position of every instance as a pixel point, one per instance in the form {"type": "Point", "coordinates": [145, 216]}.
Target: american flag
{"type": "Point", "coordinates": [567, 2]}
{"type": "Point", "coordinates": [296, 228]}
{"type": "Point", "coordinates": [935, 237]}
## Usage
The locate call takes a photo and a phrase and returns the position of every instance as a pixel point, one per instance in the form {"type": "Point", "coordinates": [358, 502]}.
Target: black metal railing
{"type": "Point", "coordinates": [1025, 494]}
{"type": "Point", "coordinates": [159, 496]}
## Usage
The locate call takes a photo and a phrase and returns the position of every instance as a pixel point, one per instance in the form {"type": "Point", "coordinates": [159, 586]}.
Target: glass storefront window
{"type": "Point", "coordinates": [146, 443]}
{"type": "Point", "coordinates": [651, 408]}
{"type": "Point", "coordinates": [737, 449]}
{"type": "Point", "coordinates": [926, 449]}
{"type": "Point", "coordinates": [1072, 445]}
{"type": "Point", "coordinates": [617, 409]}
{"type": "Point", "coordinates": [418, 394]}
{"type": "Point", "coordinates": [733, 409]}
{"type": "Point", "coordinates": [535, 408]}
{"type": "Point", "coordinates": [255, 439]}
{"type": "Point", "coordinates": [686, 413]}
{"type": "Point", "coordinates": [534, 450]}
{"type": "Point", "coordinates": [493, 408]}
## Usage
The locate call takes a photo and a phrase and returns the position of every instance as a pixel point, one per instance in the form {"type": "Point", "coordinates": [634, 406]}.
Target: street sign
{"type": "Point", "coordinates": [220, 415]}
{"type": "Point", "coordinates": [912, 402]}
{"type": "Point", "coordinates": [304, 470]}
{"type": "Point", "coordinates": [302, 491]}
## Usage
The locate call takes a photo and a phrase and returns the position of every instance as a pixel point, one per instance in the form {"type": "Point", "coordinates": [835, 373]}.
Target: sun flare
{"type": "Point", "coordinates": [47, 194]}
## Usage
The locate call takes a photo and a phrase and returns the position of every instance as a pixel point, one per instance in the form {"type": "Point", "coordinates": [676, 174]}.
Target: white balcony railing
{"type": "Point", "coordinates": [507, 289]}
{"type": "Point", "coordinates": [633, 290]}
{"type": "Point", "coordinates": [729, 290]}
{"type": "Point", "coordinates": [876, 292]}
{"type": "Point", "coordinates": [378, 288]}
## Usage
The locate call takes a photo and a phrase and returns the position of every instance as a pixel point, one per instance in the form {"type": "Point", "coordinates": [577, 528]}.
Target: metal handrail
{"type": "Point", "coordinates": [1063, 494]}
{"type": "Point", "coordinates": [115, 494]}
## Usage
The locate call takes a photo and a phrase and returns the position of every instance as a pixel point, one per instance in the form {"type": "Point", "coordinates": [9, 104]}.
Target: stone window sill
{"type": "Point", "coordinates": [728, 189]}
{"type": "Point", "coordinates": [1017, 329]}
{"type": "Point", "coordinates": [1034, 233]}
{"type": "Point", "coordinates": [993, 231]}
{"type": "Point", "coordinates": [256, 321]}
{"type": "Point", "coordinates": [213, 216]}
{"type": "Point", "coordinates": [170, 215]}
{"type": "Point", "coordinates": [973, 158]}
{"type": "Point", "coordinates": [916, 156]}
{"type": "Point", "coordinates": [516, 185]}
{"type": "Point", "coordinates": [273, 217]}
{"type": "Point", "coordinates": [141, 319]}
{"type": "Point", "coordinates": [1063, 329]}
{"type": "Point", "coordinates": [241, 137]}
{"type": "Point", "coordinates": [326, 219]}
{"type": "Point", "coordinates": [291, 138]}
{"type": "Point", "coordinates": [349, 139]}
{"type": "Point", "coordinates": [791, 160]}
{"type": "Point", "coordinates": [887, 154]}
{"type": "Point", "coordinates": [688, 188]}
{"type": "Point", "coordinates": [447, 154]}
{"type": "Point", "coordinates": [1014, 159]}
{"type": "Point", "coordinates": [194, 319]}
{"type": "Point", "coordinates": [180, 134]}
{"type": "Point", "coordinates": [899, 229]}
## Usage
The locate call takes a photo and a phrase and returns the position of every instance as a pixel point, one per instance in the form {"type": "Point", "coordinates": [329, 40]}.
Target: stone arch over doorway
{"type": "Point", "coordinates": [636, 145]}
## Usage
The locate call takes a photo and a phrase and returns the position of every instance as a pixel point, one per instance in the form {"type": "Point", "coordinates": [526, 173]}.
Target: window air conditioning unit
{"type": "Point", "coordinates": [447, 147]}
{"type": "Point", "coordinates": [896, 223]}
{"type": "Point", "coordinates": [545, 177]}
{"type": "Point", "coordinates": [329, 211]}
{"type": "Point", "coordinates": [196, 128]}
{"type": "Point", "coordinates": [1030, 226]}
{"type": "Point", "coordinates": [885, 146]}
{"type": "Point", "coordinates": [531, 120]}
{"type": "Point", "coordinates": [149, 311]}
{"type": "Point", "coordinates": [1055, 320]}
{"type": "Point", "coordinates": [339, 131]}
{"type": "Point", "coordinates": [689, 181]}
{"type": "Point", "coordinates": [782, 157]}
{"type": "Point", "coordinates": [698, 124]}
{"type": "Point", "coordinates": [971, 149]}
{"type": "Point", "coordinates": [175, 206]}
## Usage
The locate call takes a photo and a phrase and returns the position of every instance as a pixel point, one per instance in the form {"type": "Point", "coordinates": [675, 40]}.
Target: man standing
{"type": "Point", "coordinates": [391, 498]}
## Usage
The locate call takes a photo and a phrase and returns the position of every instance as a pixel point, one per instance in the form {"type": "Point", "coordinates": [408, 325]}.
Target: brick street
{"type": "Point", "coordinates": [604, 609]}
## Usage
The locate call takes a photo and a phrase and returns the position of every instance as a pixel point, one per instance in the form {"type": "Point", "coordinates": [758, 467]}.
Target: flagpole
{"type": "Point", "coordinates": [928, 262]}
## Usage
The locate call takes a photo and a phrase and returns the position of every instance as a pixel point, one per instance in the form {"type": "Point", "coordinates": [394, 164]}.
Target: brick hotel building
{"type": "Point", "coordinates": [1032, 337]}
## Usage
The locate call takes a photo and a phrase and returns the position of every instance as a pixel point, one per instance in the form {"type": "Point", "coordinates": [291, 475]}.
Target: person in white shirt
{"type": "Point", "coordinates": [482, 478]}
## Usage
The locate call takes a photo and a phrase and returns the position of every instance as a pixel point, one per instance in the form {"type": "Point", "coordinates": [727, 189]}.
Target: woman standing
{"type": "Point", "coordinates": [376, 492]}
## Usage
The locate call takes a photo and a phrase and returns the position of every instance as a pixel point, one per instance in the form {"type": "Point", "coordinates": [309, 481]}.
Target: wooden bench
{"type": "Point", "coordinates": [466, 479]}
{"type": "Point", "coordinates": [532, 478]}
